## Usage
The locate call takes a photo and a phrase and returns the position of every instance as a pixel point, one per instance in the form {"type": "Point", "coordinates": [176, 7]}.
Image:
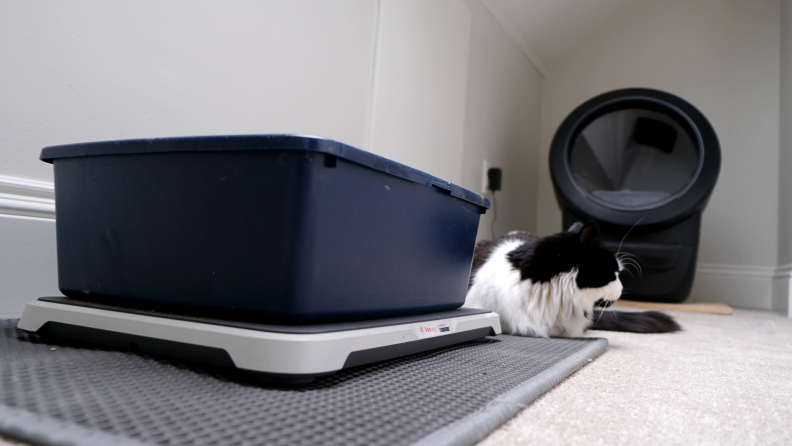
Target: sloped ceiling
{"type": "Point", "coordinates": [546, 30]}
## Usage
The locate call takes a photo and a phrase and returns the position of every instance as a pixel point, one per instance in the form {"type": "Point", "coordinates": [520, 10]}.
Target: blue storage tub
{"type": "Point", "coordinates": [295, 228]}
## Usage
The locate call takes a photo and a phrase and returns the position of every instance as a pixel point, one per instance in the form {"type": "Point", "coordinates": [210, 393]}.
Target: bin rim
{"type": "Point", "coordinates": [220, 143]}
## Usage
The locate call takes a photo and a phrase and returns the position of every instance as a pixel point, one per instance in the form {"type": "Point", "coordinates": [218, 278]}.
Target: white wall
{"type": "Point", "coordinates": [90, 71]}
{"type": "Point", "coordinates": [451, 90]}
{"type": "Point", "coordinates": [420, 83]}
{"type": "Point", "coordinates": [435, 85]}
{"type": "Point", "coordinates": [502, 124]}
{"type": "Point", "coordinates": [723, 57]}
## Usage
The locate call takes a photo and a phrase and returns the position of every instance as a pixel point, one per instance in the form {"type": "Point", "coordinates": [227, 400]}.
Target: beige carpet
{"type": "Point", "coordinates": [724, 380]}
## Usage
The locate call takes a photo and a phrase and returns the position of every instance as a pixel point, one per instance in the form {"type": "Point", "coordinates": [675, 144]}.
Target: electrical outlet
{"type": "Point", "coordinates": [484, 179]}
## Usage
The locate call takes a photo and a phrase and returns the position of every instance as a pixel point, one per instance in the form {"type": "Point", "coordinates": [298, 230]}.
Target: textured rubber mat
{"type": "Point", "coordinates": [65, 393]}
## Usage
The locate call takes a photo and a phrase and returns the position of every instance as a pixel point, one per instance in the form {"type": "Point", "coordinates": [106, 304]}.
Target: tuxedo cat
{"type": "Point", "coordinates": [548, 286]}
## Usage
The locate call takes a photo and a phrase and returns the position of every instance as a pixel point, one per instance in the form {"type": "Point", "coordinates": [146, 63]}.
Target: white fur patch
{"type": "Point", "coordinates": [555, 308]}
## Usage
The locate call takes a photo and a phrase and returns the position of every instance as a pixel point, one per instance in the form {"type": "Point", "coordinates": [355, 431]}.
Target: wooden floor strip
{"type": "Point", "coordinates": [690, 307]}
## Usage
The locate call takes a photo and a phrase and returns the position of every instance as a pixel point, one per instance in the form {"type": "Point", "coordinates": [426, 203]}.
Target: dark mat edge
{"type": "Point", "coordinates": [474, 427]}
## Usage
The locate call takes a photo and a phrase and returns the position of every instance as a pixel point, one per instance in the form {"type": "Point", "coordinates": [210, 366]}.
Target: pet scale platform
{"type": "Point", "coordinates": [295, 353]}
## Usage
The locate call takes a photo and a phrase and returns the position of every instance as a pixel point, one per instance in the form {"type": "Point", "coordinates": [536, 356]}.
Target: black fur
{"type": "Point", "coordinates": [544, 258]}
{"type": "Point", "coordinates": [634, 322]}
{"type": "Point", "coordinates": [485, 247]}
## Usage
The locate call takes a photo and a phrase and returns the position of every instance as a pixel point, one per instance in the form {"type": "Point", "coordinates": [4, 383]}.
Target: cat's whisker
{"type": "Point", "coordinates": [631, 259]}
{"type": "Point", "coordinates": [627, 255]}
{"type": "Point", "coordinates": [599, 316]}
{"type": "Point", "coordinates": [640, 270]}
{"type": "Point", "coordinates": [632, 263]}
{"type": "Point", "coordinates": [625, 260]}
{"type": "Point", "coordinates": [627, 264]}
{"type": "Point", "coordinates": [627, 270]}
{"type": "Point", "coordinates": [628, 232]}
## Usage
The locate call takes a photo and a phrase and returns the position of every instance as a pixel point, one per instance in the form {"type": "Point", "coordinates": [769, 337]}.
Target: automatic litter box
{"type": "Point", "coordinates": [284, 248]}
{"type": "Point", "coordinates": [642, 162]}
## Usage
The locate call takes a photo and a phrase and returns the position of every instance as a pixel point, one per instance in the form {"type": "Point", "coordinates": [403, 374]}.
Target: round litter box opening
{"type": "Point", "coordinates": [634, 154]}
{"type": "Point", "coordinates": [634, 159]}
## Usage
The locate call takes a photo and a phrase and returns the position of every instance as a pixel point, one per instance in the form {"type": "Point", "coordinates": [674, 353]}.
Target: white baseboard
{"type": "Point", "coordinates": [782, 290]}
{"type": "Point", "coordinates": [746, 286]}
{"type": "Point", "coordinates": [743, 271]}
{"type": "Point", "coordinates": [28, 198]}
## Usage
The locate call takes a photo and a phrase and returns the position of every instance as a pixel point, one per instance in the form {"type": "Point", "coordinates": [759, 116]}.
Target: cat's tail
{"type": "Point", "coordinates": [634, 322]}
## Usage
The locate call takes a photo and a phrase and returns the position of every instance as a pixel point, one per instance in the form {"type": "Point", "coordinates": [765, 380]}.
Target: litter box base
{"type": "Point", "coordinates": [285, 353]}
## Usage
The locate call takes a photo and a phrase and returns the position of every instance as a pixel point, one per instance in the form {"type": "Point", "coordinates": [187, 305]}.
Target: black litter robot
{"type": "Point", "coordinates": [641, 159]}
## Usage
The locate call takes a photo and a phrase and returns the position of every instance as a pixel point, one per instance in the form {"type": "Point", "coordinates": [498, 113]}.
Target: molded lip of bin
{"type": "Point", "coordinates": [259, 143]}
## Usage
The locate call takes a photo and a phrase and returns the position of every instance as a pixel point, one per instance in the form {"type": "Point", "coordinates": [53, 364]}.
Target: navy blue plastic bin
{"type": "Point", "coordinates": [293, 227]}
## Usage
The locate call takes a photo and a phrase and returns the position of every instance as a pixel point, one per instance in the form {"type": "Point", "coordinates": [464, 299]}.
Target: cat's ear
{"type": "Point", "coordinates": [588, 233]}
{"type": "Point", "coordinates": [576, 227]}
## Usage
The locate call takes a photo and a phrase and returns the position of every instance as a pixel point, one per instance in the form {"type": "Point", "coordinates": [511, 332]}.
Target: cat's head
{"type": "Point", "coordinates": [598, 267]}
{"type": "Point", "coordinates": [579, 249]}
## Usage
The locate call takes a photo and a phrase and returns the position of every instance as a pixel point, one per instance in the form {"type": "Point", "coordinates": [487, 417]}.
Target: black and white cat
{"type": "Point", "coordinates": [548, 286]}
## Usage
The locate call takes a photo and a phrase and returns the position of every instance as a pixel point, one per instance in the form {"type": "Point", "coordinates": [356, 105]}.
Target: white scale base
{"type": "Point", "coordinates": [295, 353]}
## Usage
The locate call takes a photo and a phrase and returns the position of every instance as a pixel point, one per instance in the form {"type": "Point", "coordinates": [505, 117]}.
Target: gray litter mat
{"type": "Point", "coordinates": [60, 393]}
